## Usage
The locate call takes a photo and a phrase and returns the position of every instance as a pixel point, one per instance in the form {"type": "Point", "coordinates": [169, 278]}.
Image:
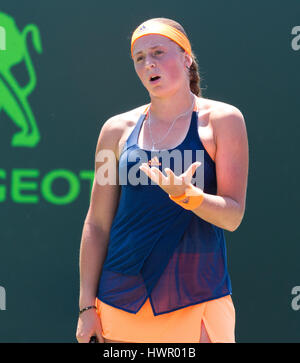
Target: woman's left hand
{"type": "Point", "coordinates": [171, 184]}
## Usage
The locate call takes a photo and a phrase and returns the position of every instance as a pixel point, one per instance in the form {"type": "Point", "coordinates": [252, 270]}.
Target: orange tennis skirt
{"type": "Point", "coordinates": [179, 326]}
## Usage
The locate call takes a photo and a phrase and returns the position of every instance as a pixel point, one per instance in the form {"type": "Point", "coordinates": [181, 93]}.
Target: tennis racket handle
{"type": "Point", "coordinates": [93, 339]}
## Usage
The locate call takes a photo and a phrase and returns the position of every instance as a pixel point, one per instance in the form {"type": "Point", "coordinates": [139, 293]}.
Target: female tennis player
{"type": "Point", "coordinates": [153, 264]}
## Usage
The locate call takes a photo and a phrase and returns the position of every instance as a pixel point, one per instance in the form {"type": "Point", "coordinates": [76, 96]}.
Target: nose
{"type": "Point", "coordinates": [149, 63]}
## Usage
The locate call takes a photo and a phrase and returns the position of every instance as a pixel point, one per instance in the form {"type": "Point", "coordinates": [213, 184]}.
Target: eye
{"type": "Point", "coordinates": [139, 58]}
{"type": "Point", "coordinates": [158, 52]}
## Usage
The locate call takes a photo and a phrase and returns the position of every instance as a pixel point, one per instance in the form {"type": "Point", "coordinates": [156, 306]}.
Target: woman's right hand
{"type": "Point", "coordinates": [89, 324]}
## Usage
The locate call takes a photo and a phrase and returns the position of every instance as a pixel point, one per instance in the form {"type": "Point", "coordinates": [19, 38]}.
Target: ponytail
{"type": "Point", "coordinates": [195, 77]}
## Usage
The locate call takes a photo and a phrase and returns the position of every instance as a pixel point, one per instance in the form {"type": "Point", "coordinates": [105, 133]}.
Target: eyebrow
{"type": "Point", "coordinates": [156, 46]}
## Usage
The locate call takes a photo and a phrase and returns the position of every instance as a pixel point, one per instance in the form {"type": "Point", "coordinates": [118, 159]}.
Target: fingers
{"type": "Point", "coordinates": [148, 171]}
{"type": "Point", "coordinates": [170, 176]}
{"type": "Point", "coordinates": [83, 338]}
{"type": "Point", "coordinates": [153, 173]}
{"type": "Point", "coordinates": [172, 179]}
{"type": "Point", "coordinates": [99, 337]}
{"type": "Point", "coordinates": [145, 168]}
{"type": "Point", "coordinates": [94, 338]}
{"type": "Point", "coordinates": [188, 175]}
{"type": "Point", "coordinates": [89, 325]}
{"type": "Point", "coordinates": [158, 177]}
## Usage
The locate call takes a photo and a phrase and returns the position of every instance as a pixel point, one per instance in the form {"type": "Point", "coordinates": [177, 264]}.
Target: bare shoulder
{"type": "Point", "coordinates": [225, 118]}
{"type": "Point", "coordinates": [223, 114]}
{"type": "Point", "coordinates": [220, 110]}
{"type": "Point", "coordinates": [114, 129]}
{"type": "Point", "coordinates": [117, 124]}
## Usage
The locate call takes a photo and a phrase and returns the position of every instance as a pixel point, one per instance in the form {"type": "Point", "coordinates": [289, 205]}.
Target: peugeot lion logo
{"type": "Point", "coordinates": [13, 101]}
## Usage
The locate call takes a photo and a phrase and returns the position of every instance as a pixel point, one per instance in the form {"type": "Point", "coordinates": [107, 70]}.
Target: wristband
{"type": "Point", "coordinates": [87, 308]}
{"type": "Point", "coordinates": [190, 199]}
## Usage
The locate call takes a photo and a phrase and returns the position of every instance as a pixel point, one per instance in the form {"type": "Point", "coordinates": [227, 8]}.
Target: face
{"type": "Point", "coordinates": [160, 64]}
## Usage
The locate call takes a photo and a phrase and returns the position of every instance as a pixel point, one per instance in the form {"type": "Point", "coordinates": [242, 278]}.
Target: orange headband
{"type": "Point", "coordinates": [162, 29]}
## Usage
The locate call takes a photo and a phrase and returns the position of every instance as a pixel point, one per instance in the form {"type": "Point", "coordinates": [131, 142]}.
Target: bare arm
{"type": "Point", "coordinates": [96, 228]}
{"type": "Point", "coordinates": [226, 209]}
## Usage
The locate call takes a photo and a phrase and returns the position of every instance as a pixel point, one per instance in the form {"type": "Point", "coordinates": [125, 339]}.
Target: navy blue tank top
{"type": "Point", "coordinates": [158, 249]}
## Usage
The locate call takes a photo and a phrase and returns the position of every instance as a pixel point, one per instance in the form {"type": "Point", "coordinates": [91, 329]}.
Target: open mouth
{"type": "Point", "coordinates": [154, 78]}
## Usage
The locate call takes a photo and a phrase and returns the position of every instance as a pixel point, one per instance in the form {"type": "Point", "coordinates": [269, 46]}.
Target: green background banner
{"type": "Point", "coordinates": [65, 68]}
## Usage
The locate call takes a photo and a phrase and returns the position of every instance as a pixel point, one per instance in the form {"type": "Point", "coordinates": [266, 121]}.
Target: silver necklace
{"type": "Point", "coordinates": [173, 122]}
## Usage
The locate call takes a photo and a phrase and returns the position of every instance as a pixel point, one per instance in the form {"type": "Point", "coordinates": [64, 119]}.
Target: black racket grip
{"type": "Point", "coordinates": [93, 339]}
